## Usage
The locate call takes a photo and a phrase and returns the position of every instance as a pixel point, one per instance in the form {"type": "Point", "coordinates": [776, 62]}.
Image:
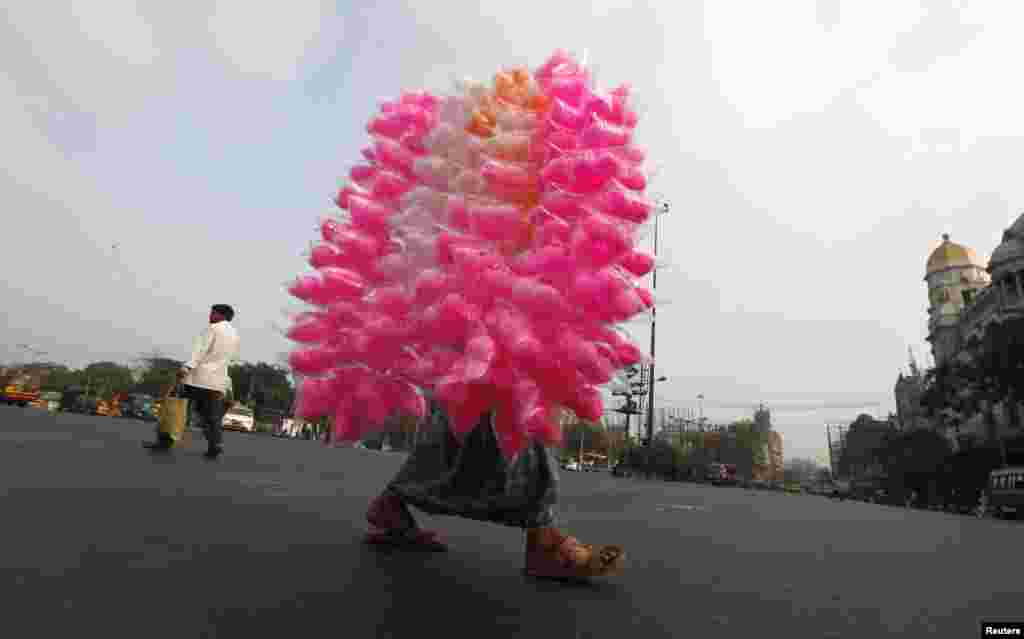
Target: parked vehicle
{"type": "Point", "coordinates": [138, 406]}
{"type": "Point", "coordinates": [571, 465]}
{"type": "Point", "coordinates": [18, 395]}
{"type": "Point", "coordinates": [621, 470]}
{"type": "Point", "coordinates": [840, 490]}
{"type": "Point", "coordinates": [721, 474]}
{"type": "Point", "coordinates": [1004, 495]}
{"type": "Point", "coordinates": [240, 418]}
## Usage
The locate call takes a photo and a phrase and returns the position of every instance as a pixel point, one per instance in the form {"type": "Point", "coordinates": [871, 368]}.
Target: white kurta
{"type": "Point", "coordinates": [208, 366]}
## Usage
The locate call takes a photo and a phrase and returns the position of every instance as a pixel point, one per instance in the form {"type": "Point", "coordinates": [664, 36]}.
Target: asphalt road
{"type": "Point", "coordinates": [101, 537]}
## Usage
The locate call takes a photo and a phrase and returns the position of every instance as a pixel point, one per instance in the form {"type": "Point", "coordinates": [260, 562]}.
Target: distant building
{"type": "Point", "coordinates": [909, 391]}
{"type": "Point", "coordinates": [776, 463]}
{"type": "Point", "coordinates": [763, 419]}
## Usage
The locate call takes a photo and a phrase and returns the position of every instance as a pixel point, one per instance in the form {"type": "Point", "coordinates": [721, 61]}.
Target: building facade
{"type": "Point", "coordinates": [966, 298]}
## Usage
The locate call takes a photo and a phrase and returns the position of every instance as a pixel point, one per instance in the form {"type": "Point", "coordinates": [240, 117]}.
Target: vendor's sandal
{"type": "Point", "coordinates": [387, 512]}
{"type": "Point", "coordinates": [551, 554]}
{"type": "Point", "coordinates": [409, 539]}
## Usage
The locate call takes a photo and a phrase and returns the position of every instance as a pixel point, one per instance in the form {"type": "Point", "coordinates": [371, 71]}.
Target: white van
{"type": "Point", "coordinates": [240, 418]}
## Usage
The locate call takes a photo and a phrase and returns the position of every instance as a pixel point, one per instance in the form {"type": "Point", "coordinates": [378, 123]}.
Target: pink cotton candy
{"type": "Point", "coordinates": [394, 156]}
{"type": "Point", "coordinates": [429, 286]}
{"type": "Point", "coordinates": [328, 229]}
{"type": "Point", "coordinates": [369, 214]}
{"type": "Point", "coordinates": [357, 245]}
{"type": "Point", "coordinates": [338, 283]}
{"type": "Point", "coordinates": [592, 170]}
{"type": "Point", "coordinates": [325, 255]}
{"type": "Point", "coordinates": [307, 288]}
{"type": "Point", "coordinates": [311, 327]}
{"type": "Point", "coordinates": [599, 241]}
{"type": "Point", "coordinates": [638, 263]}
{"type": "Point", "coordinates": [314, 398]}
{"type": "Point", "coordinates": [362, 173]}
{"type": "Point", "coordinates": [496, 222]}
{"type": "Point", "coordinates": [625, 205]}
{"type": "Point", "coordinates": [554, 231]}
{"type": "Point", "coordinates": [631, 177]}
{"type": "Point", "coordinates": [566, 206]}
{"type": "Point", "coordinates": [410, 402]}
{"type": "Point", "coordinates": [507, 174]}
{"type": "Point", "coordinates": [311, 361]}
{"type": "Point", "coordinates": [488, 271]}
{"type": "Point", "coordinates": [392, 300]}
{"type": "Point", "coordinates": [645, 295]}
{"type": "Point", "coordinates": [601, 134]}
{"type": "Point", "coordinates": [480, 353]}
{"type": "Point", "coordinates": [587, 403]}
{"type": "Point", "coordinates": [389, 185]}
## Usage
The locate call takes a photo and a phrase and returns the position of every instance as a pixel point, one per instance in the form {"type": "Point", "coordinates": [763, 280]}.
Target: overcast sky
{"type": "Point", "coordinates": [160, 157]}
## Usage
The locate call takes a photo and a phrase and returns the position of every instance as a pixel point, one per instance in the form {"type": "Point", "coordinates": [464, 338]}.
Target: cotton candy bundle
{"type": "Point", "coordinates": [486, 252]}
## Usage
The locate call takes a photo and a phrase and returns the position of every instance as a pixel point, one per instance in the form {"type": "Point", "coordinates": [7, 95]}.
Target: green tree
{"type": "Point", "coordinates": [103, 379]}
{"type": "Point", "coordinates": [266, 387]}
{"type": "Point", "coordinates": [158, 373]}
{"type": "Point", "coordinates": [914, 459]}
{"type": "Point", "coordinates": [61, 378]}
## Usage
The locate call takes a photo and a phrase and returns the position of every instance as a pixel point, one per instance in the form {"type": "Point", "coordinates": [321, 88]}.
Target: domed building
{"type": "Point", "coordinates": [955, 275]}
{"type": "Point", "coordinates": [975, 311]}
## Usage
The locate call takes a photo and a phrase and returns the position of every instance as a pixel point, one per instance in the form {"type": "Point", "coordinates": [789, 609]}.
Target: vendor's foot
{"type": "Point", "coordinates": [213, 452]}
{"type": "Point", "coordinates": [551, 554]}
{"type": "Point", "coordinates": [392, 525]}
{"type": "Point", "coordinates": [387, 512]}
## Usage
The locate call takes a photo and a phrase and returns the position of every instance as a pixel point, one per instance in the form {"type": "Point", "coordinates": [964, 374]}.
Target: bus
{"type": "Point", "coordinates": [1004, 495]}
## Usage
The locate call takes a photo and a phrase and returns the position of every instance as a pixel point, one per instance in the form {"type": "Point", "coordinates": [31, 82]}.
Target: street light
{"type": "Point", "coordinates": [654, 287]}
{"type": "Point", "coordinates": [700, 404]}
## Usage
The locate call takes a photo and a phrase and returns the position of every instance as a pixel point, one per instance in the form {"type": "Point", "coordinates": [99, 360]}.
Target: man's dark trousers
{"type": "Point", "coordinates": [211, 409]}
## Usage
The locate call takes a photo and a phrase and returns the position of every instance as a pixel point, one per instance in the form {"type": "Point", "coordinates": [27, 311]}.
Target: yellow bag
{"type": "Point", "coordinates": [173, 418]}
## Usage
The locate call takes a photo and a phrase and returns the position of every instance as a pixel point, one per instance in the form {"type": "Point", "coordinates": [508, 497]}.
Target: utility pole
{"type": "Point", "coordinates": [654, 287]}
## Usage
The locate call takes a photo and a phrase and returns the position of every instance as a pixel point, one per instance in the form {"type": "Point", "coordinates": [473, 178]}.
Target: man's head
{"type": "Point", "coordinates": [221, 313]}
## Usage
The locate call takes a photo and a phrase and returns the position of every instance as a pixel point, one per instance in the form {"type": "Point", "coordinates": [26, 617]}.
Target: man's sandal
{"type": "Point", "coordinates": [551, 554]}
{"type": "Point", "coordinates": [393, 526]}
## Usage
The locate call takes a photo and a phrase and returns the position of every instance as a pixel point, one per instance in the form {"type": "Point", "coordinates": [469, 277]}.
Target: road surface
{"type": "Point", "coordinates": [102, 537]}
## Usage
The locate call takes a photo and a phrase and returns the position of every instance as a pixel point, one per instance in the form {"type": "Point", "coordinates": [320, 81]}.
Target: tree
{"type": "Point", "coordinates": [267, 387]}
{"type": "Point", "coordinates": [914, 459]}
{"type": "Point", "coordinates": [158, 373]}
{"type": "Point", "coordinates": [104, 379]}
{"type": "Point", "coordinates": [61, 378]}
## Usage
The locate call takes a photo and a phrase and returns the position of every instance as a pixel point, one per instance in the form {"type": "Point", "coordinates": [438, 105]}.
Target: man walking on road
{"type": "Point", "coordinates": [205, 379]}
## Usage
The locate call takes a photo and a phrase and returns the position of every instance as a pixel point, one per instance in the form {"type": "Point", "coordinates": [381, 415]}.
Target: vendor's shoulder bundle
{"type": "Point", "coordinates": [484, 252]}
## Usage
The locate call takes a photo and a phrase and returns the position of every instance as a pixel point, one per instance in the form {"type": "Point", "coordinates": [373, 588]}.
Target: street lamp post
{"type": "Point", "coordinates": [651, 379]}
{"type": "Point", "coordinates": [700, 404]}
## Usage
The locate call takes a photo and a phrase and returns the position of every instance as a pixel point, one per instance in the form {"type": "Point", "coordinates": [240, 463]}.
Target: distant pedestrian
{"type": "Point", "coordinates": [205, 379]}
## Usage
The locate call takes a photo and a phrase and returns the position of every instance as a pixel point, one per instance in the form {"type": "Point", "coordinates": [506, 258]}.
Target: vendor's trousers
{"type": "Point", "coordinates": [211, 409]}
